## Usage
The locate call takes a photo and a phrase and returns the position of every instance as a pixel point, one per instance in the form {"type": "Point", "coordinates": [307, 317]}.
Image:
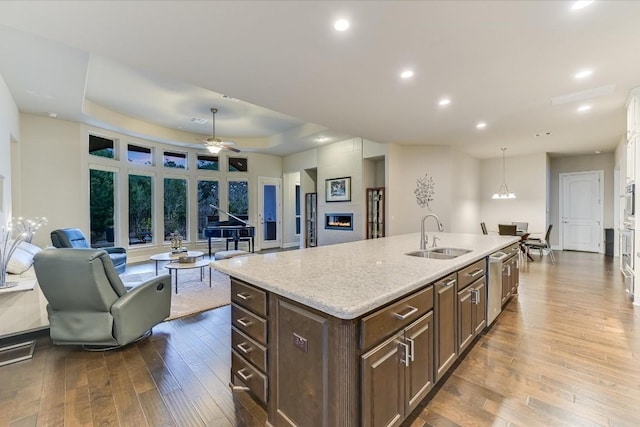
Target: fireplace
{"type": "Point", "coordinates": [338, 221]}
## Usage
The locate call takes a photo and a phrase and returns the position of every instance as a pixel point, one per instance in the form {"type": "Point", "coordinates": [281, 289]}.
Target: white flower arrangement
{"type": "Point", "coordinates": [425, 189]}
{"type": "Point", "coordinates": [23, 229]}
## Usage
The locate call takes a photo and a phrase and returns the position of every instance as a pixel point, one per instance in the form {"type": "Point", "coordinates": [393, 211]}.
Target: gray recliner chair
{"type": "Point", "coordinates": [89, 305]}
{"type": "Point", "coordinates": [74, 238]}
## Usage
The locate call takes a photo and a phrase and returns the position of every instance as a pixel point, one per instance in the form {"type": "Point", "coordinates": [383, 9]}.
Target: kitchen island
{"type": "Point", "coordinates": [355, 333]}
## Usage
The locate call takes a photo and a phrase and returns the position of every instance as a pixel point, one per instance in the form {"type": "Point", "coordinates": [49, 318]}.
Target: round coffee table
{"type": "Point", "coordinates": [168, 256]}
{"type": "Point", "coordinates": [177, 266]}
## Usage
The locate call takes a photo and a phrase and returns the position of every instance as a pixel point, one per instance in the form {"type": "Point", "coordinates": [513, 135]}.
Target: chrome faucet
{"type": "Point", "coordinates": [424, 239]}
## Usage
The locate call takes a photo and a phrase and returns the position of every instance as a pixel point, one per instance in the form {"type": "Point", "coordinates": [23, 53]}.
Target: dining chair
{"type": "Point", "coordinates": [507, 230]}
{"type": "Point", "coordinates": [542, 244]}
{"type": "Point", "coordinates": [483, 226]}
{"type": "Point", "coordinates": [521, 226]}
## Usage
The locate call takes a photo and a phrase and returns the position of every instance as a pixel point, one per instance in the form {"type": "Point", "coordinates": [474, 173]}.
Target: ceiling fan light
{"type": "Point", "coordinates": [213, 149]}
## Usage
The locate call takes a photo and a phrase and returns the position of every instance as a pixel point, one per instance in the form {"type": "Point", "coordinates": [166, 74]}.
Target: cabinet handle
{"type": "Point", "coordinates": [243, 347]}
{"type": "Point", "coordinates": [411, 311]}
{"type": "Point", "coordinates": [243, 322]}
{"type": "Point", "coordinates": [405, 361]}
{"type": "Point", "coordinates": [476, 273]}
{"type": "Point", "coordinates": [449, 283]}
{"type": "Point", "coordinates": [412, 348]}
{"type": "Point", "coordinates": [474, 297]}
{"type": "Point", "coordinates": [244, 296]}
{"type": "Point", "coordinates": [244, 376]}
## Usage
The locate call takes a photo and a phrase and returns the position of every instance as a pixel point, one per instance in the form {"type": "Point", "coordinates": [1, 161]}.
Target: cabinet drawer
{"type": "Point", "coordinates": [249, 323]}
{"type": "Point", "coordinates": [249, 297]}
{"type": "Point", "coordinates": [512, 249]}
{"type": "Point", "coordinates": [249, 349]}
{"type": "Point", "coordinates": [471, 273]}
{"type": "Point", "coordinates": [381, 324]}
{"type": "Point", "coordinates": [250, 376]}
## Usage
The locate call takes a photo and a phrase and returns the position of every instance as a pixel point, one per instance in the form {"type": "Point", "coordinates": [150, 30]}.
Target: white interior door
{"type": "Point", "coordinates": [581, 211]}
{"type": "Point", "coordinates": [269, 213]}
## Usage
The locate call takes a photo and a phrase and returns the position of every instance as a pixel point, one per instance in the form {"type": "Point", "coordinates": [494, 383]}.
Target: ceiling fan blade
{"type": "Point", "coordinates": [234, 149]}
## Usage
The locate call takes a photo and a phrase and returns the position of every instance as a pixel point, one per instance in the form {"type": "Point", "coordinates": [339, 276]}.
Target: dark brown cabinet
{"type": "Point", "coordinates": [404, 365]}
{"type": "Point", "coordinates": [472, 312]}
{"type": "Point", "coordinates": [510, 277]}
{"type": "Point", "coordinates": [249, 339]}
{"type": "Point", "coordinates": [445, 323]}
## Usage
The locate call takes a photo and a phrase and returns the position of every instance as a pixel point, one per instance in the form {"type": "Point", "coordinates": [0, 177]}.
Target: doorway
{"type": "Point", "coordinates": [269, 212]}
{"type": "Point", "coordinates": [581, 211]}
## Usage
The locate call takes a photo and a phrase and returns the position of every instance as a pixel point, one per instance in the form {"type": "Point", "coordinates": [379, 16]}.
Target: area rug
{"type": "Point", "coordinates": [194, 295]}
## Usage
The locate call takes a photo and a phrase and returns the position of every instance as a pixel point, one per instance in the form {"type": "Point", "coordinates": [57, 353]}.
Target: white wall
{"type": "Point", "coordinates": [526, 177]}
{"type": "Point", "coordinates": [455, 200]}
{"type": "Point", "coordinates": [342, 159]}
{"type": "Point", "coordinates": [19, 311]}
{"type": "Point", "coordinates": [9, 131]}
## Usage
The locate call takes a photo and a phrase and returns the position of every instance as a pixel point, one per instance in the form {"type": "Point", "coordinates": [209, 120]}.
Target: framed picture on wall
{"type": "Point", "coordinates": [338, 189]}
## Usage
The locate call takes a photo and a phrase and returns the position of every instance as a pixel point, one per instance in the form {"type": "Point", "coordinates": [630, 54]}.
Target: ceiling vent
{"type": "Point", "coordinates": [198, 120]}
{"type": "Point", "coordinates": [583, 95]}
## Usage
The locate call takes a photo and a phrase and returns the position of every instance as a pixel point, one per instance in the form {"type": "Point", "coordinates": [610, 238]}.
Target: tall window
{"type": "Point", "coordinates": [297, 208]}
{"type": "Point", "coordinates": [239, 199]}
{"type": "Point", "coordinates": [175, 207]}
{"type": "Point", "coordinates": [102, 207]}
{"type": "Point", "coordinates": [101, 147]}
{"type": "Point", "coordinates": [140, 209]}
{"type": "Point", "coordinates": [207, 196]}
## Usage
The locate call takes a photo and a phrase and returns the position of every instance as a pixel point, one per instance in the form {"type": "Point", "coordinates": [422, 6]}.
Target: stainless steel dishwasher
{"type": "Point", "coordinates": [494, 299]}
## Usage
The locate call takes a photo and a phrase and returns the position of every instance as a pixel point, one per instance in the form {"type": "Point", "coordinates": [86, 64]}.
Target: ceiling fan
{"type": "Point", "coordinates": [213, 144]}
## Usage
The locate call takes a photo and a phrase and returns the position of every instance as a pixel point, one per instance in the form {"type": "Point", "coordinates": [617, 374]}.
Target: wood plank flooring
{"type": "Point", "coordinates": [566, 351]}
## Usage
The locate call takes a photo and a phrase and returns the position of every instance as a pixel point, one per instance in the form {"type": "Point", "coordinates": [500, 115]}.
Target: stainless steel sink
{"type": "Point", "coordinates": [439, 253]}
{"type": "Point", "coordinates": [450, 251]}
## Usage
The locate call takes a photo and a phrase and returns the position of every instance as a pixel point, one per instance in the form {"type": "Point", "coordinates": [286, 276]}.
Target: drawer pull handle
{"type": "Point", "coordinates": [244, 347]}
{"type": "Point", "coordinates": [477, 272]}
{"type": "Point", "coordinates": [449, 283]}
{"type": "Point", "coordinates": [244, 376]}
{"type": "Point", "coordinates": [244, 296]}
{"type": "Point", "coordinates": [411, 311]}
{"type": "Point", "coordinates": [243, 322]}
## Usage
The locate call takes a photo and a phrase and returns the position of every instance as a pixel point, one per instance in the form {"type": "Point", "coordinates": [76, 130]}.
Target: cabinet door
{"type": "Point", "coordinates": [480, 305]}
{"type": "Point", "coordinates": [419, 373]}
{"type": "Point", "coordinates": [466, 326]}
{"type": "Point", "coordinates": [446, 302]}
{"type": "Point", "coordinates": [383, 383]}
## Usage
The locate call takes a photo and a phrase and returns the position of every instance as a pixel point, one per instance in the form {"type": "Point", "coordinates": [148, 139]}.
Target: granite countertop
{"type": "Point", "coordinates": [348, 280]}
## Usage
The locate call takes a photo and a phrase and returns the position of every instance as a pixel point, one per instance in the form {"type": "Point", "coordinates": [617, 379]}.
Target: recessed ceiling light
{"type": "Point", "coordinates": [481, 125]}
{"type": "Point", "coordinates": [322, 139]}
{"type": "Point", "coordinates": [582, 74]}
{"type": "Point", "coordinates": [597, 151]}
{"type": "Point", "coordinates": [341, 25]}
{"type": "Point", "coordinates": [406, 74]}
{"type": "Point", "coordinates": [444, 102]}
{"type": "Point", "coordinates": [580, 4]}
{"type": "Point", "coordinates": [584, 108]}
{"type": "Point", "coordinates": [53, 115]}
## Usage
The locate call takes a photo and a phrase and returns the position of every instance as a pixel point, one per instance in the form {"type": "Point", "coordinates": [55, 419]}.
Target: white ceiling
{"type": "Point", "coordinates": [164, 62]}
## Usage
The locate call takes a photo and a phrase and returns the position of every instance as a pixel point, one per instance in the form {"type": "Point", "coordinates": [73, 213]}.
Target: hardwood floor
{"type": "Point", "coordinates": [565, 352]}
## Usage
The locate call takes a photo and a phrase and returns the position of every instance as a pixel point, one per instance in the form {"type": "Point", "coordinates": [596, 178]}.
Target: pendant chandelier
{"type": "Point", "coordinates": [504, 192]}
